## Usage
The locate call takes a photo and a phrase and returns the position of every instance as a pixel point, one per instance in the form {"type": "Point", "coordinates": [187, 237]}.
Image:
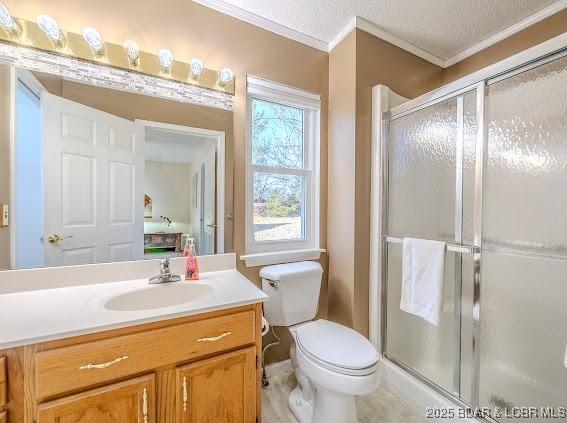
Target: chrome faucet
{"type": "Point", "coordinates": [165, 275]}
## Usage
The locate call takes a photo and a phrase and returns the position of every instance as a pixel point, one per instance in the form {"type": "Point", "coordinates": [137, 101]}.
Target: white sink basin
{"type": "Point", "coordinates": [159, 296]}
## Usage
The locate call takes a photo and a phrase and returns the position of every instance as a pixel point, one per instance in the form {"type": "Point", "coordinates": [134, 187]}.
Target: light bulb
{"type": "Point", "coordinates": [196, 66]}
{"type": "Point", "coordinates": [225, 76]}
{"type": "Point", "coordinates": [132, 50]}
{"type": "Point", "coordinates": [165, 59]}
{"type": "Point", "coordinates": [50, 27]}
{"type": "Point", "coordinates": [6, 19]}
{"type": "Point", "coordinates": [93, 39]}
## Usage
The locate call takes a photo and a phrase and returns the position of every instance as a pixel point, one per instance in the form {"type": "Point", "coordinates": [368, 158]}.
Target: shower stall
{"type": "Point", "coordinates": [483, 167]}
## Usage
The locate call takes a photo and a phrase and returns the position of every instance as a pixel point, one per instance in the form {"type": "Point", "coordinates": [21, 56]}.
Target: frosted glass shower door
{"type": "Point", "coordinates": [524, 259]}
{"type": "Point", "coordinates": [430, 196]}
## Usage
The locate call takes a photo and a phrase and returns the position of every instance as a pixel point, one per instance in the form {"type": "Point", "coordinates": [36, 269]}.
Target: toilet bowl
{"type": "Point", "coordinates": [339, 364]}
{"type": "Point", "coordinates": [332, 363]}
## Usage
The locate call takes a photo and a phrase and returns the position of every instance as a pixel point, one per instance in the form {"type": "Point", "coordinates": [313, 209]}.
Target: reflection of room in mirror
{"type": "Point", "coordinates": [104, 175]}
{"type": "Point", "coordinates": [182, 209]}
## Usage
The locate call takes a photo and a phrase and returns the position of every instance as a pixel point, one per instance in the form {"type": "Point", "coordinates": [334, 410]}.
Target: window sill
{"type": "Point", "coordinates": [278, 257]}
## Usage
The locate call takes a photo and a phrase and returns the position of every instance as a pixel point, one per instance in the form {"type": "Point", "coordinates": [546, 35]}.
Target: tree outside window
{"type": "Point", "coordinates": [278, 163]}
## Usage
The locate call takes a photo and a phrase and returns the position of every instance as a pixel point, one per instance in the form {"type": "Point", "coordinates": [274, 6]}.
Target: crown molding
{"type": "Point", "coordinates": [347, 29]}
{"type": "Point", "coordinates": [373, 29]}
{"type": "Point", "coordinates": [369, 27]}
{"type": "Point", "coordinates": [251, 18]}
{"type": "Point", "coordinates": [507, 32]}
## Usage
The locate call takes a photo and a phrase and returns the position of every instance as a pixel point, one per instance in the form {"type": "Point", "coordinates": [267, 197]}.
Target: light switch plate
{"type": "Point", "coordinates": [5, 215]}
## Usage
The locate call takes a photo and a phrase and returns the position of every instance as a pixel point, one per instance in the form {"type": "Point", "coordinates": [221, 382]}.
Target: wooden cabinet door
{"type": "Point", "coordinates": [218, 390]}
{"type": "Point", "coordinates": [132, 401]}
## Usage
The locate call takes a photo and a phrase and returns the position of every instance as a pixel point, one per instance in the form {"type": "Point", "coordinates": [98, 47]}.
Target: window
{"type": "Point", "coordinates": [282, 210]}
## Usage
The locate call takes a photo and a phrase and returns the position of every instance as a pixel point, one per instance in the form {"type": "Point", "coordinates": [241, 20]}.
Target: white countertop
{"type": "Point", "coordinates": [34, 316]}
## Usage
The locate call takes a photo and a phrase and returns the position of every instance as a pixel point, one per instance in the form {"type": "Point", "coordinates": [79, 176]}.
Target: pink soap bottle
{"type": "Point", "coordinates": [191, 265]}
{"type": "Point", "coordinates": [186, 248]}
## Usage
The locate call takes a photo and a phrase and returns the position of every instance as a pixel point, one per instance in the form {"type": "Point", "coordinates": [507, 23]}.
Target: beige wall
{"type": "Point", "coordinates": [341, 212]}
{"type": "Point", "coordinates": [358, 63]}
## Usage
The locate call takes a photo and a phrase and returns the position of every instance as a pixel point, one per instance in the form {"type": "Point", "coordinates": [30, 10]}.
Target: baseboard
{"type": "Point", "coordinates": [414, 393]}
{"type": "Point", "coordinates": [280, 366]}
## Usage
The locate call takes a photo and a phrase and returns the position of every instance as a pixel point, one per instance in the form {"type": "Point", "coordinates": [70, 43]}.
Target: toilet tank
{"type": "Point", "coordinates": [293, 289]}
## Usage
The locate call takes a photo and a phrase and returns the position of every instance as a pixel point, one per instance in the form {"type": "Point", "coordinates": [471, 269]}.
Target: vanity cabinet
{"type": "Point", "coordinates": [198, 369]}
{"type": "Point", "coordinates": [221, 389]}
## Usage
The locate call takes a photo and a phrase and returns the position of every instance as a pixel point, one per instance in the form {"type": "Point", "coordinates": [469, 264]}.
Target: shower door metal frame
{"type": "Point", "coordinates": [457, 248]}
{"type": "Point", "coordinates": [479, 81]}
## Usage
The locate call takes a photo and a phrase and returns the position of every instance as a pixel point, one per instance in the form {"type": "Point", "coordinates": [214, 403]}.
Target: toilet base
{"type": "Point", "coordinates": [301, 409]}
{"type": "Point", "coordinates": [329, 407]}
{"type": "Point", "coordinates": [333, 407]}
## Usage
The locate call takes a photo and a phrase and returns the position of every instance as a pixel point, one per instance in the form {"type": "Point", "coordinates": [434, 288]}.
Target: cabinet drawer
{"type": "Point", "coordinates": [3, 384]}
{"type": "Point", "coordinates": [69, 368]}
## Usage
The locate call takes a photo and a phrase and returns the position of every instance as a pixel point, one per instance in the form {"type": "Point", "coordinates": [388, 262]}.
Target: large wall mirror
{"type": "Point", "coordinates": [102, 175]}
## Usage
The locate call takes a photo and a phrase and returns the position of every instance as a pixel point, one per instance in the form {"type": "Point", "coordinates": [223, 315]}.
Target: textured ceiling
{"type": "Point", "coordinates": [441, 27]}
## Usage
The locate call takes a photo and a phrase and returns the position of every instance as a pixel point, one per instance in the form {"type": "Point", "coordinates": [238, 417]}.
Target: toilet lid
{"type": "Point", "coordinates": [336, 345]}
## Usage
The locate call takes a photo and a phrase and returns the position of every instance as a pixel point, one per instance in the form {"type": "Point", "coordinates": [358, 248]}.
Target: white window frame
{"type": "Point", "coordinates": [269, 252]}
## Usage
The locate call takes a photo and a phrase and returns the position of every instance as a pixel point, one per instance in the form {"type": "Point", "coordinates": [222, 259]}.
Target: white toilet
{"type": "Point", "coordinates": [332, 363]}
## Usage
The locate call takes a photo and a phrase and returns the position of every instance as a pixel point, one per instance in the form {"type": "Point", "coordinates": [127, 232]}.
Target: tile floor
{"type": "Point", "coordinates": [380, 407]}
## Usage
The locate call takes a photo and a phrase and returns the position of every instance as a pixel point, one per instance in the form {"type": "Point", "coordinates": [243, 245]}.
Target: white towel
{"type": "Point", "coordinates": [423, 265]}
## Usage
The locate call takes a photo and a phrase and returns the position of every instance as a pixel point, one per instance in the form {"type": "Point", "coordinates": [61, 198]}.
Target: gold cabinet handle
{"type": "Point", "coordinates": [214, 338]}
{"type": "Point", "coordinates": [145, 405]}
{"type": "Point", "coordinates": [185, 394]}
{"type": "Point", "coordinates": [103, 365]}
{"type": "Point", "coordinates": [55, 238]}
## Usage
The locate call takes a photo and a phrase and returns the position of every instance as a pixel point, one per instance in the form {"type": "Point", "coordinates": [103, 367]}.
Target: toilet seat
{"type": "Point", "coordinates": [337, 348]}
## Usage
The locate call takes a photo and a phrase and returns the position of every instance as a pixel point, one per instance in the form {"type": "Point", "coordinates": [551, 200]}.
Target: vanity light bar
{"type": "Point", "coordinates": [45, 34]}
{"type": "Point", "coordinates": [96, 73]}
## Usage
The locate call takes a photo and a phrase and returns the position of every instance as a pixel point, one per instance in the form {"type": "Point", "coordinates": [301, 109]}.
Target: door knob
{"type": "Point", "coordinates": [211, 225]}
{"type": "Point", "coordinates": [55, 238]}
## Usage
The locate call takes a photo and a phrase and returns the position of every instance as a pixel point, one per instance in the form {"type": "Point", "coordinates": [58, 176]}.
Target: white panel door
{"type": "Point", "coordinates": [209, 197]}
{"type": "Point", "coordinates": [93, 173]}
